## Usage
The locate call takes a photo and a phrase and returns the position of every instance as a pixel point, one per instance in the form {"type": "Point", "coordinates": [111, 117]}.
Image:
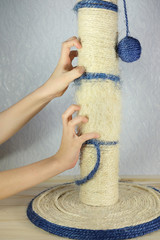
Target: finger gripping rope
{"type": "Point", "coordinates": [104, 208]}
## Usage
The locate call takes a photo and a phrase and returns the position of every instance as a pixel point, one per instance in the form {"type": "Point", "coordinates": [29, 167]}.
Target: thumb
{"type": "Point", "coordinates": [86, 136]}
{"type": "Point", "coordinates": [74, 73]}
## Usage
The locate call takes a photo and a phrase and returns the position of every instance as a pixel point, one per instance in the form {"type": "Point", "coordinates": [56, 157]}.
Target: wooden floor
{"type": "Point", "coordinates": [14, 224]}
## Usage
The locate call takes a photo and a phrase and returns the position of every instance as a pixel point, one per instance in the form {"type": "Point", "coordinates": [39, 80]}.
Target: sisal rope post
{"type": "Point", "coordinates": [97, 207]}
{"type": "Point", "coordinates": [100, 101]}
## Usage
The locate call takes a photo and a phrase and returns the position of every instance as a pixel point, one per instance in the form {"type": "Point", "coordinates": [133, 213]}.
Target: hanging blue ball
{"type": "Point", "coordinates": [129, 49]}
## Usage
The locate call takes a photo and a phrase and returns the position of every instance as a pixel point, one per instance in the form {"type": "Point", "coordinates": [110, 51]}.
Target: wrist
{"type": "Point", "coordinates": [60, 162]}
{"type": "Point", "coordinates": [45, 94]}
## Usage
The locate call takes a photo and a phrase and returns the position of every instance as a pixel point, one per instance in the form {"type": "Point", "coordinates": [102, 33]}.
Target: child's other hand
{"type": "Point", "coordinates": [64, 72]}
{"type": "Point", "coordinates": [68, 153]}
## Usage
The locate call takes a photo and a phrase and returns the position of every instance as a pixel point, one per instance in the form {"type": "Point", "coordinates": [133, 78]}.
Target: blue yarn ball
{"type": "Point", "coordinates": [129, 49]}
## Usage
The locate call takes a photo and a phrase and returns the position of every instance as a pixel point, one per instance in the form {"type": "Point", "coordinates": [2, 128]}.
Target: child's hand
{"type": "Point", "coordinates": [68, 153]}
{"type": "Point", "coordinates": [64, 72]}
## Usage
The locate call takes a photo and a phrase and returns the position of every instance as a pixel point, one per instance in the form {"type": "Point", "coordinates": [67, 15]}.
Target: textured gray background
{"type": "Point", "coordinates": [31, 33]}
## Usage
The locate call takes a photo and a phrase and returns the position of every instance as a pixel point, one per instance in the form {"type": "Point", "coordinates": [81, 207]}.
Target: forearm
{"type": "Point", "coordinates": [18, 179]}
{"type": "Point", "coordinates": [15, 117]}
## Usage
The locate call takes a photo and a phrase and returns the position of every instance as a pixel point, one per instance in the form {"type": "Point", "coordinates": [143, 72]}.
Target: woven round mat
{"type": "Point", "coordinates": [59, 211]}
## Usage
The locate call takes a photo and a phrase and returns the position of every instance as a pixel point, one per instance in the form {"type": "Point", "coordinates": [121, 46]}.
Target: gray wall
{"type": "Point", "coordinates": [31, 33]}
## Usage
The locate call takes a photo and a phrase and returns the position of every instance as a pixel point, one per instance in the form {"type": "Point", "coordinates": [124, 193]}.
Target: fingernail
{"type": "Point", "coordinates": [79, 45]}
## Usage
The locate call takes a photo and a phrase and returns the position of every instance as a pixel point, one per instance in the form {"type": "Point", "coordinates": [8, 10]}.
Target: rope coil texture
{"type": "Point", "coordinates": [103, 208]}
{"type": "Point", "coordinates": [58, 210]}
{"type": "Point", "coordinates": [99, 95]}
{"type": "Point", "coordinates": [129, 48]}
{"type": "Point", "coordinates": [99, 76]}
{"type": "Point", "coordinates": [96, 4]}
{"type": "Point", "coordinates": [97, 144]}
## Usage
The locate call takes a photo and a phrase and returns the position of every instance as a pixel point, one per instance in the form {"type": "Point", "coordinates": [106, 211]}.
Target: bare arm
{"type": "Point", "coordinates": [19, 179]}
{"type": "Point", "coordinates": [11, 120]}
{"type": "Point", "coordinates": [15, 117]}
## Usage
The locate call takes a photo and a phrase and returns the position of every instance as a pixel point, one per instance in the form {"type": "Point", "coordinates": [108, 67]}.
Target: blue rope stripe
{"type": "Point", "coordinates": [96, 4]}
{"type": "Point", "coordinates": [97, 144]}
{"type": "Point", "coordinates": [103, 76]}
{"type": "Point", "coordinates": [88, 234]}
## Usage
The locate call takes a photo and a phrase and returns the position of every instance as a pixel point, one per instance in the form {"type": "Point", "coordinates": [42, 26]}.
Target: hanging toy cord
{"type": "Point", "coordinates": [129, 48]}
{"type": "Point", "coordinates": [126, 17]}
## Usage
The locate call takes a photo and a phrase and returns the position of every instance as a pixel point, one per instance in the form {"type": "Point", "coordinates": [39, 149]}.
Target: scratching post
{"type": "Point", "coordinates": [98, 206]}
{"type": "Point", "coordinates": [100, 100]}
